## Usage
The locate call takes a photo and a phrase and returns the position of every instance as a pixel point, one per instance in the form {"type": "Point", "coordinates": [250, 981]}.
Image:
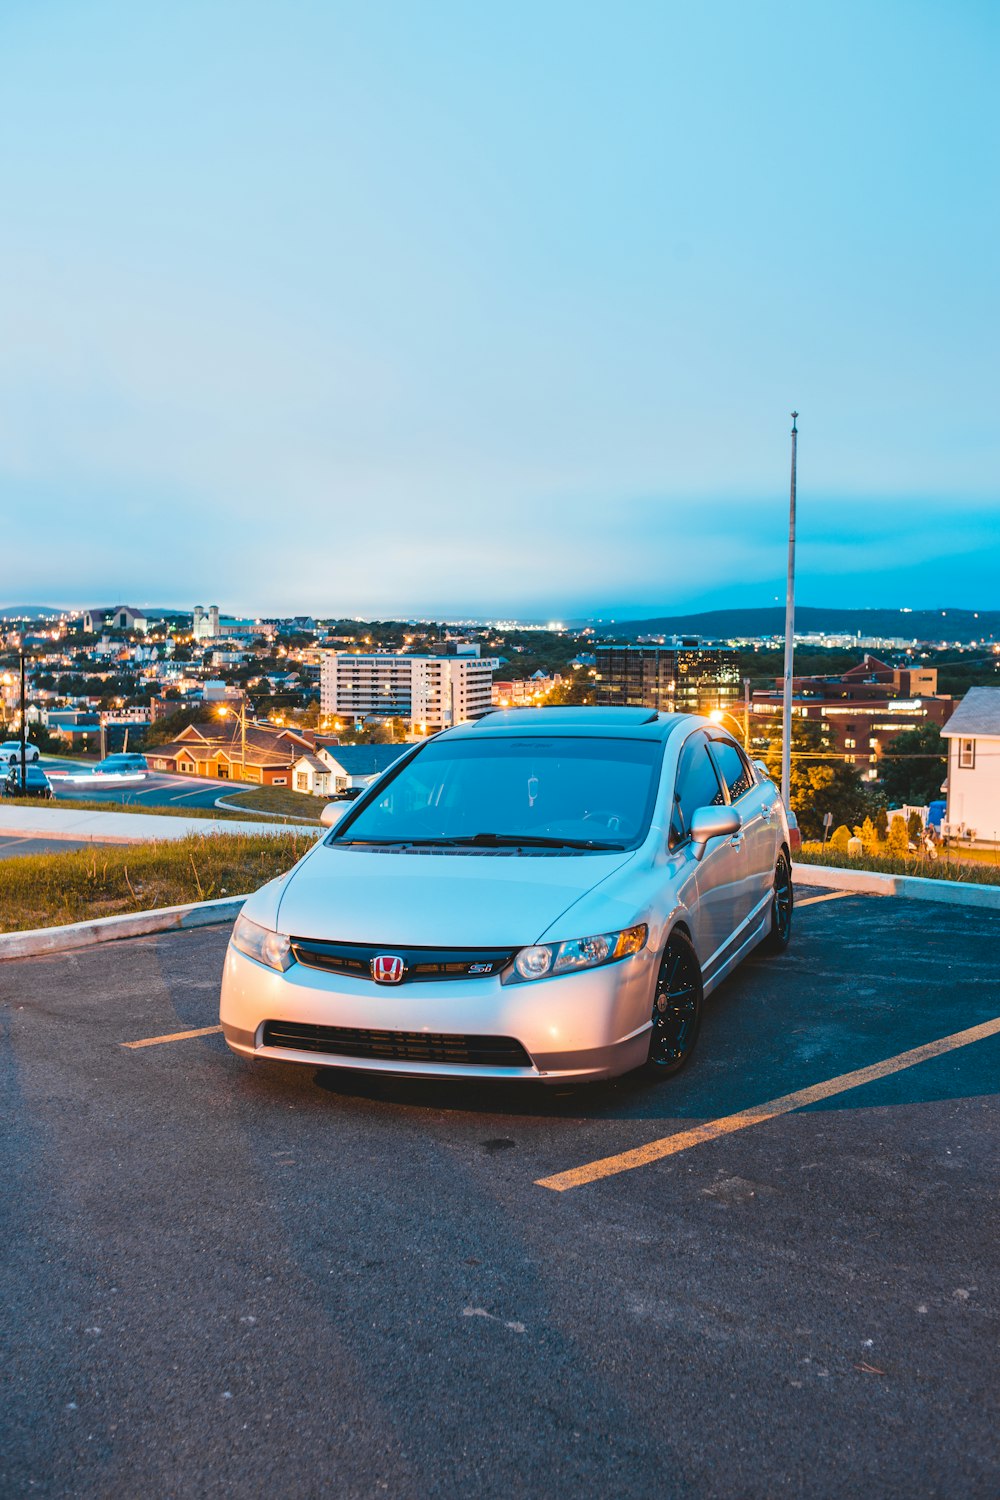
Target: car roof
{"type": "Point", "coordinates": [576, 721]}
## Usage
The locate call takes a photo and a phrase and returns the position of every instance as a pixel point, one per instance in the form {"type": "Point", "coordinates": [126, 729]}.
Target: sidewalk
{"type": "Point", "coordinates": [123, 827]}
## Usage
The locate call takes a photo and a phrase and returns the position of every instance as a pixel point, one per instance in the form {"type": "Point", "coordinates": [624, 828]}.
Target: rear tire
{"type": "Point", "coordinates": [782, 905]}
{"type": "Point", "coordinates": [676, 1008]}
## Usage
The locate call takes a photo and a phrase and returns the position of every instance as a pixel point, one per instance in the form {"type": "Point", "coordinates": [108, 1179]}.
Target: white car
{"type": "Point", "coordinates": [10, 751]}
{"type": "Point", "coordinates": [542, 894]}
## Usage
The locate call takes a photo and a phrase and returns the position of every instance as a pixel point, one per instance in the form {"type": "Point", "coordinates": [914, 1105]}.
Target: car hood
{"type": "Point", "coordinates": [487, 900]}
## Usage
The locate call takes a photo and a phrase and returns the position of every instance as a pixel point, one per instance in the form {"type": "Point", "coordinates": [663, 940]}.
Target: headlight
{"type": "Point", "coordinates": [270, 948]}
{"type": "Point", "coordinates": [543, 959]}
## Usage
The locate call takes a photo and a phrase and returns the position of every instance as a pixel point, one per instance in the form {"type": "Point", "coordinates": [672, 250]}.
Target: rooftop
{"type": "Point", "coordinates": [978, 713]}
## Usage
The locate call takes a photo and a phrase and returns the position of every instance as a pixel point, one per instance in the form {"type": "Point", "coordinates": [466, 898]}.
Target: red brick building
{"type": "Point", "coordinates": [864, 708]}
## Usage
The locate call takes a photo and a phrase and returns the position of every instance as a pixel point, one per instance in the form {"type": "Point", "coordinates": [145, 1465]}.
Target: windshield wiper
{"type": "Point", "coordinates": [513, 840]}
{"type": "Point", "coordinates": [490, 841]}
{"type": "Point", "coordinates": [402, 843]}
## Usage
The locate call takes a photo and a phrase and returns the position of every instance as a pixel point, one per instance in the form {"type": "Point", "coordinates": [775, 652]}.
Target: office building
{"type": "Point", "coordinates": [685, 677]}
{"type": "Point", "coordinates": [864, 708]}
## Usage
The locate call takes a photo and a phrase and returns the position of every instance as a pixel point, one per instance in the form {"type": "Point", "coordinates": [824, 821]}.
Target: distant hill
{"type": "Point", "coordinates": [29, 611]}
{"type": "Point", "coordinates": [919, 624]}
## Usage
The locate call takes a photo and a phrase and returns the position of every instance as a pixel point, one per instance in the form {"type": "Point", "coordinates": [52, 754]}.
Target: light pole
{"type": "Point", "coordinates": [24, 746]}
{"type": "Point", "coordinates": [241, 719]}
{"type": "Point", "coordinates": [786, 718]}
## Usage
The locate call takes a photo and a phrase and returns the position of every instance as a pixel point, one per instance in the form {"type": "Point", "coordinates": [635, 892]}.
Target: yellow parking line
{"type": "Point", "coordinates": [176, 1036]}
{"type": "Point", "coordinates": [830, 896]}
{"type": "Point", "coordinates": [625, 1161]}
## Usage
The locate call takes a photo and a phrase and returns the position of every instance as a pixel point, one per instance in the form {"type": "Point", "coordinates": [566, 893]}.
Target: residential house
{"type": "Point", "coordinates": [335, 769]}
{"type": "Point", "coordinates": [217, 750]}
{"type": "Point", "coordinates": [973, 785]}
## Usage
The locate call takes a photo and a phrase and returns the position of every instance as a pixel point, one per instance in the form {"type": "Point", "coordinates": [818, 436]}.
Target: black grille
{"type": "Point", "coordinates": [421, 963]}
{"type": "Point", "coordinates": [397, 1046]}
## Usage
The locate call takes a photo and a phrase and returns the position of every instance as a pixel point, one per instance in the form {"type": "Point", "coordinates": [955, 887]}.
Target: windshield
{"type": "Point", "coordinates": [574, 793]}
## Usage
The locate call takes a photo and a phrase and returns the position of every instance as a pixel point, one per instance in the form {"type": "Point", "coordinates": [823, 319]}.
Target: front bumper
{"type": "Point", "coordinates": [585, 1026]}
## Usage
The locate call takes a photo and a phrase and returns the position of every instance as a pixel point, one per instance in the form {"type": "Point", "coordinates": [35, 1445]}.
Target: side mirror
{"type": "Point", "coordinates": [333, 812]}
{"type": "Point", "coordinates": [712, 823]}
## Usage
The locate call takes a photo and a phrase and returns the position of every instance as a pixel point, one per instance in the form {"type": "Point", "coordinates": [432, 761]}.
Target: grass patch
{"type": "Point", "coordinates": [277, 799]}
{"type": "Point", "coordinates": [941, 868]}
{"type": "Point", "coordinates": [47, 890]}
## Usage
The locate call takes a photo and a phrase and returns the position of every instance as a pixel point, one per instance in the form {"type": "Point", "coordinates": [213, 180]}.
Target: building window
{"type": "Point", "coordinates": [279, 781]}
{"type": "Point", "coordinates": [967, 754]}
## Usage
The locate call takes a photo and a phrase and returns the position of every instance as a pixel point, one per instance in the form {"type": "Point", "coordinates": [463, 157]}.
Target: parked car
{"type": "Point", "coordinates": [536, 895]}
{"type": "Point", "coordinates": [36, 783]}
{"type": "Point", "coordinates": [117, 765]}
{"type": "Point", "coordinates": [10, 751]}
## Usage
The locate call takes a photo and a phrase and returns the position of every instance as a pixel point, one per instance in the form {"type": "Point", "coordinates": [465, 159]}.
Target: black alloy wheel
{"type": "Point", "coordinates": [782, 904]}
{"type": "Point", "coordinates": [676, 1008]}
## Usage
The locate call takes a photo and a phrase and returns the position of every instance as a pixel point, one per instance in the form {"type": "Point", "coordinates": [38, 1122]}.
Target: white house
{"type": "Point", "coordinates": [315, 775]}
{"type": "Point", "coordinates": [334, 769]}
{"type": "Point", "coordinates": [973, 735]}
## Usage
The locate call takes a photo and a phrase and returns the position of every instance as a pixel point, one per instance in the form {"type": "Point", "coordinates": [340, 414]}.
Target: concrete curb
{"type": "Point", "coordinates": [42, 940]}
{"type": "Point", "coordinates": [914, 887]}
{"type": "Point", "coordinates": [250, 812]}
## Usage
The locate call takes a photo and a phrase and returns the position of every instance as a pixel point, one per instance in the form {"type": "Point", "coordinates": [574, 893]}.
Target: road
{"type": "Point", "coordinates": [234, 1280]}
{"type": "Point", "coordinates": [12, 847]}
{"type": "Point", "coordinates": [157, 789]}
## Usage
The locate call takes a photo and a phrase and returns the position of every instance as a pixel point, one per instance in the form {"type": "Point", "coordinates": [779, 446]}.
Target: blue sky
{"type": "Point", "coordinates": [469, 309]}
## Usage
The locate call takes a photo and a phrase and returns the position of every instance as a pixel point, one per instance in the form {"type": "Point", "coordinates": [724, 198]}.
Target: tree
{"type": "Point", "coordinates": [897, 844]}
{"type": "Point", "coordinates": [914, 827]}
{"type": "Point", "coordinates": [868, 836]}
{"type": "Point", "coordinates": [821, 782]}
{"type": "Point", "coordinates": [840, 838]}
{"type": "Point", "coordinates": [882, 823]}
{"type": "Point", "coordinates": [913, 766]}
{"type": "Point", "coordinates": [168, 728]}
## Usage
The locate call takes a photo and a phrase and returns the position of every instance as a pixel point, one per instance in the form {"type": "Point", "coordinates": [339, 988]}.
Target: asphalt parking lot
{"type": "Point", "coordinates": [224, 1279]}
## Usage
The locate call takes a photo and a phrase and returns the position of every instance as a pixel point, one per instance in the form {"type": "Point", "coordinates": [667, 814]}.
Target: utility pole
{"type": "Point", "coordinates": [746, 714]}
{"type": "Point", "coordinates": [786, 726]}
{"type": "Point", "coordinates": [24, 720]}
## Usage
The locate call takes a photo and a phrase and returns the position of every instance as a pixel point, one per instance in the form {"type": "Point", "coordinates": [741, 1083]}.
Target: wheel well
{"type": "Point", "coordinates": [681, 927]}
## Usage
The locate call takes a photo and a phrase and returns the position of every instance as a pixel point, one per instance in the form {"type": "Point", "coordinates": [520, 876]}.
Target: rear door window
{"type": "Point", "coordinates": [697, 786]}
{"type": "Point", "coordinates": [733, 768]}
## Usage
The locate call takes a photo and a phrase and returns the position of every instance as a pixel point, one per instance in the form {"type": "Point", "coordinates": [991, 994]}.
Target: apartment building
{"type": "Point", "coordinates": [428, 692]}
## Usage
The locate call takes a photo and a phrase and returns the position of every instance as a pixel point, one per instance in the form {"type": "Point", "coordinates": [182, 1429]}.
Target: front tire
{"type": "Point", "coordinates": [782, 904]}
{"type": "Point", "coordinates": [676, 1008]}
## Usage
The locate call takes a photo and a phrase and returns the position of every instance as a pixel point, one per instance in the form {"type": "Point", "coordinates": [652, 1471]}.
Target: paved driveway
{"type": "Point", "coordinates": [278, 1281]}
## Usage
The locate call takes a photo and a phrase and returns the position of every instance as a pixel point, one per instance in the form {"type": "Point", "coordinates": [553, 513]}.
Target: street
{"type": "Point", "coordinates": [154, 789]}
{"type": "Point", "coordinates": [236, 1279]}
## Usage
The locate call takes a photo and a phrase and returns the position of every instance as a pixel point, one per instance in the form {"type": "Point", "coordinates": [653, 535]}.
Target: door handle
{"type": "Point", "coordinates": [737, 840]}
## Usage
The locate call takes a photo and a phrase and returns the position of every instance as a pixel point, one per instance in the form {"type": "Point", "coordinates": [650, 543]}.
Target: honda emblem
{"type": "Point", "coordinates": [387, 969]}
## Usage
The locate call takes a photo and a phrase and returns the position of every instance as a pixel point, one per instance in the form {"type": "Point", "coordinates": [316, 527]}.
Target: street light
{"type": "Point", "coordinates": [718, 714]}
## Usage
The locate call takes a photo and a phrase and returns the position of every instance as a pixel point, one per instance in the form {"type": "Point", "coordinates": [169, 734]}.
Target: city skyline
{"type": "Point", "coordinates": [502, 316]}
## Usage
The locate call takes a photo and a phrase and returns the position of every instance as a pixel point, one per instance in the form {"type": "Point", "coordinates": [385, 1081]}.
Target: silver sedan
{"type": "Point", "coordinates": [542, 894]}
